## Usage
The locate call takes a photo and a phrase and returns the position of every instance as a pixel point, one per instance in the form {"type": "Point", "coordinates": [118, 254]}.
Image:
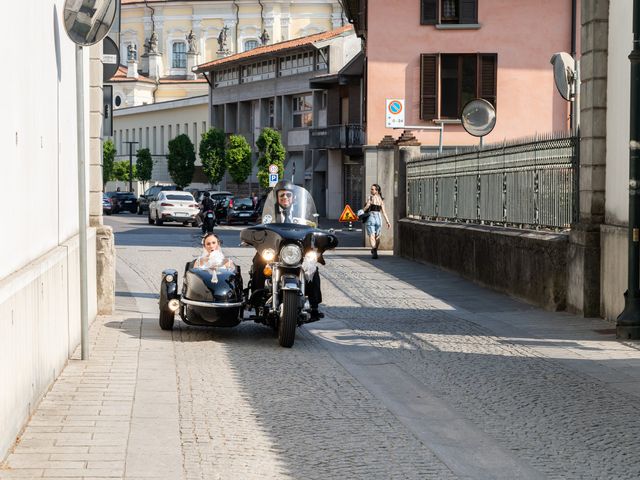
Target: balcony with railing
{"type": "Point", "coordinates": [346, 137]}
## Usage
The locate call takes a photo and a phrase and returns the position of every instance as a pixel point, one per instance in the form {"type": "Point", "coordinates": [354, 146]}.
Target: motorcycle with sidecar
{"type": "Point", "coordinates": [287, 254]}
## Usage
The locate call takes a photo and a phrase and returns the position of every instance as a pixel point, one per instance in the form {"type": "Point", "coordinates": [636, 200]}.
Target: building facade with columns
{"type": "Point", "coordinates": [160, 41]}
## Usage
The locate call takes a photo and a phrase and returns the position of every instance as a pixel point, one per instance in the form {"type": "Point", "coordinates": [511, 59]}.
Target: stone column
{"type": "Point", "coordinates": [191, 63]}
{"type": "Point", "coordinates": [132, 68]}
{"type": "Point", "coordinates": [583, 286]}
{"type": "Point", "coordinates": [407, 147]}
{"type": "Point", "coordinates": [385, 170]}
{"type": "Point", "coordinates": [155, 65]}
{"type": "Point", "coordinates": [105, 249]}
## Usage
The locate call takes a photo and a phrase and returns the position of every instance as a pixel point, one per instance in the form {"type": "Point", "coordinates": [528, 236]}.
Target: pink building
{"type": "Point", "coordinates": [438, 54]}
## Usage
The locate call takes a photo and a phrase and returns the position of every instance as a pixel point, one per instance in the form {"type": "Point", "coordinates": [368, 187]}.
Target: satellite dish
{"type": "Point", "coordinates": [88, 21]}
{"type": "Point", "coordinates": [564, 73]}
{"type": "Point", "coordinates": [478, 117]}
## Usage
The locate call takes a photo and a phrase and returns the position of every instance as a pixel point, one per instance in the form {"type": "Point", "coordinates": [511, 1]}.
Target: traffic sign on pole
{"type": "Point", "coordinates": [394, 113]}
{"type": "Point", "coordinates": [273, 168]}
{"type": "Point", "coordinates": [273, 179]}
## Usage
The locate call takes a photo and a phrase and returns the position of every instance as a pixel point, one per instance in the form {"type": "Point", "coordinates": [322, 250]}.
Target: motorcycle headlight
{"type": "Point", "coordinates": [269, 254]}
{"type": "Point", "coordinates": [168, 278]}
{"type": "Point", "coordinates": [291, 254]}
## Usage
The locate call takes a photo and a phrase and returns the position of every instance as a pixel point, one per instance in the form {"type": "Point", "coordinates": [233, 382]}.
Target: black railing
{"type": "Point", "coordinates": [337, 136]}
{"type": "Point", "coordinates": [528, 183]}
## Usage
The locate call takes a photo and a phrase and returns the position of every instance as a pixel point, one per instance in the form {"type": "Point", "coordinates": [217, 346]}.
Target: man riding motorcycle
{"type": "Point", "coordinates": [287, 211]}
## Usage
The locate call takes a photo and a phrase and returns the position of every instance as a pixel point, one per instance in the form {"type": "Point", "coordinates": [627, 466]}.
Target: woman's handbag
{"type": "Point", "coordinates": [362, 215]}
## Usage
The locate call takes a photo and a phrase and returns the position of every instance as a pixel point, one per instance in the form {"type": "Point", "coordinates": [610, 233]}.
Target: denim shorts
{"type": "Point", "coordinates": [374, 223]}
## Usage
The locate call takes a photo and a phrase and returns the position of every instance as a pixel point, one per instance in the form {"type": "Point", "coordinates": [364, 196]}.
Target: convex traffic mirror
{"type": "Point", "coordinates": [88, 21]}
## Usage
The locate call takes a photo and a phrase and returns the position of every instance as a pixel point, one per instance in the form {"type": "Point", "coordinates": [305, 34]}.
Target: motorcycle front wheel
{"type": "Point", "coordinates": [289, 319]}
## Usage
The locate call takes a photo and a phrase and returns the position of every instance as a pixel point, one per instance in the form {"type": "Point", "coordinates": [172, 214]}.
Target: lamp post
{"type": "Point", "coordinates": [628, 324]}
{"type": "Point", "coordinates": [130, 164]}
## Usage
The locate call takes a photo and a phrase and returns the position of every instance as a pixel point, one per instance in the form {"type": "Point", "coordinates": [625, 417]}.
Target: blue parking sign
{"type": "Point", "coordinates": [273, 179]}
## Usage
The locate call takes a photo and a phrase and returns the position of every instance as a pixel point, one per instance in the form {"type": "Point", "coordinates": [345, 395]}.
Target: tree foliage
{"type": "Point", "coordinates": [212, 154]}
{"type": "Point", "coordinates": [108, 156]}
{"type": "Point", "coordinates": [238, 158]}
{"type": "Point", "coordinates": [271, 151]}
{"type": "Point", "coordinates": [181, 160]}
{"type": "Point", "coordinates": [144, 165]}
{"type": "Point", "coordinates": [121, 171]}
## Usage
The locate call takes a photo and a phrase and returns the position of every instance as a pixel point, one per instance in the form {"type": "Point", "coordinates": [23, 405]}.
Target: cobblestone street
{"type": "Point", "coordinates": [414, 373]}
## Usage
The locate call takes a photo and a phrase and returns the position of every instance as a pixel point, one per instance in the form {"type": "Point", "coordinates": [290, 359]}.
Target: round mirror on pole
{"type": "Point", "coordinates": [88, 21]}
{"type": "Point", "coordinates": [478, 117]}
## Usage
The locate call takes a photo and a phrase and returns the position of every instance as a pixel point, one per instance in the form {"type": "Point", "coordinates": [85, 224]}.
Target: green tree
{"type": "Point", "coordinates": [144, 166]}
{"type": "Point", "coordinates": [181, 160]}
{"type": "Point", "coordinates": [121, 171]}
{"type": "Point", "coordinates": [238, 158]}
{"type": "Point", "coordinates": [212, 154]}
{"type": "Point", "coordinates": [270, 151]}
{"type": "Point", "coordinates": [108, 156]}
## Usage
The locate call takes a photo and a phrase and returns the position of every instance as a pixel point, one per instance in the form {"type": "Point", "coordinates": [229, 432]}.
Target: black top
{"type": "Point", "coordinates": [375, 208]}
{"type": "Point", "coordinates": [207, 204]}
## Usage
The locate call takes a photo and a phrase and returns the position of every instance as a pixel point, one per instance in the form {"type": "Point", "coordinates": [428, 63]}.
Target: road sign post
{"type": "Point", "coordinates": [273, 179]}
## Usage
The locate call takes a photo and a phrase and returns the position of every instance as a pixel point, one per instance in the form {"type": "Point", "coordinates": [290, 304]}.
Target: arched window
{"type": "Point", "coordinates": [250, 45]}
{"type": "Point", "coordinates": [179, 59]}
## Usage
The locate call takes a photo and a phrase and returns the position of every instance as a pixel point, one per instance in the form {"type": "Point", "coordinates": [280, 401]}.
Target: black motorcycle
{"type": "Point", "coordinates": [208, 221]}
{"type": "Point", "coordinates": [288, 251]}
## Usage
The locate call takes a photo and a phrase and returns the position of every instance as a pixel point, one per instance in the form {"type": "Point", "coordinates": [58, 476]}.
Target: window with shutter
{"type": "Point", "coordinates": [462, 12]}
{"type": "Point", "coordinates": [449, 81]}
{"type": "Point", "coordinates": [428, 86]}
{"type": "Point", "coordinates": [487, 82]}
{"type": "Point", "coordinates": [429, 12]}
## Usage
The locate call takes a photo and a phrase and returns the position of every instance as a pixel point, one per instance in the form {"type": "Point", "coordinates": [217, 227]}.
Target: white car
{"type": "Point", "coordinates": [173, 206]}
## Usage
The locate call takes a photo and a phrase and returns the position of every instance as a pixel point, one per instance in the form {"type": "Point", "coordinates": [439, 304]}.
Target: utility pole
{"type": "Point", "coordinates": [628, 325]}
{"type": "Point", "coordinates": [131, 164]}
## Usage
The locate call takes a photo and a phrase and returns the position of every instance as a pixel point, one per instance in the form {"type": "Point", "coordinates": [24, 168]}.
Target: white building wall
{"type": "Point", "coordinates": [618, 73]}
{"type": "Point", "coordinates": [39, 304]}
{"type": "Point", "coordinates": [613, 265]}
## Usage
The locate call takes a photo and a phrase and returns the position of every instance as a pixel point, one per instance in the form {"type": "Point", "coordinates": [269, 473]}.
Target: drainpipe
{"type": "Point", "coordinates": [628, 324]}
{"type": "Point", "coordinates": [574, 15]}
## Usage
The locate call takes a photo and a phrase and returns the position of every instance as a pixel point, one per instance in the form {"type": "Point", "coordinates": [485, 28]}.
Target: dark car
{"type": "Point", "coordinates": [107, 207]}
{"type": "Point", "coordinates": [149, 194]}
{"type": "Point", "coordinates": [221, 200]}
{"type": "Point", "coordinates": [122, 201]}
{"type": "Point", "coordinates": [127, 202]}
{"type": "Point", "coordinates": [241, 209]}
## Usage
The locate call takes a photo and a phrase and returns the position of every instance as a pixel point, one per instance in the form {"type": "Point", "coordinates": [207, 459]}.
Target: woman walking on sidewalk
{"type": "Point", "coordinates": [375, 207]}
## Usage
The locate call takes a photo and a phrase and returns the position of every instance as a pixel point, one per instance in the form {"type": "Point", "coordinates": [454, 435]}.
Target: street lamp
{"type": "Point", "coordinates": [628, 325]}
{"type": "Point", "coordinates": [86, 22]}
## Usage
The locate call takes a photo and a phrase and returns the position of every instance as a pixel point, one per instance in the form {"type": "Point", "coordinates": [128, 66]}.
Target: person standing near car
{"type": "Point", "coordinates": [375, 207]}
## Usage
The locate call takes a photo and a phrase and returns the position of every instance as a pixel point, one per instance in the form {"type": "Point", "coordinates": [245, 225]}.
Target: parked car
{"type": "Point", "coordinates": [107, 208]}
{"type": "Point", "coordinates": [241, 209]}
{"type": "Point", "coordinates": [147, 196]}
{"type": "Point", "coordinates": [221, 200]}
{"type": "Point", "coordinates": [121, 201]}
{"type": "Point", "coordinates": [126, 202]}
{"type": "Point", "coordinates": [173, 206]}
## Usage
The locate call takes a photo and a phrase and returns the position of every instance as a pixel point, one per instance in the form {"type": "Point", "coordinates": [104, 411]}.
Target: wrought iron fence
{"type": "Point", "coordinates": [526, 183]}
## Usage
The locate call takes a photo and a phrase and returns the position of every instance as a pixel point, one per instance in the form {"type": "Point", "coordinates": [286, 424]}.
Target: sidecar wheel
{"type": "Point", "coordinates": [166, 319]}
{"type": "Point", "coordinates": [289, 321]}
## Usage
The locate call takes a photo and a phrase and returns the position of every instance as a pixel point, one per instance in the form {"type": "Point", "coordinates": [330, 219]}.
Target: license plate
{"type": "Point", "coordinates": [209, 215]}
{"type": "Point", "coordinates": [181, 214]}
{"type": "Point", "coordinates": [245, 214]}
{"type": "Point", "coordinates": [128, 201]}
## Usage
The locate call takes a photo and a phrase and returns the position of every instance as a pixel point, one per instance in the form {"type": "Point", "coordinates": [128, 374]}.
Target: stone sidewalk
{"type": "Point", "coordinates": [415, 373]}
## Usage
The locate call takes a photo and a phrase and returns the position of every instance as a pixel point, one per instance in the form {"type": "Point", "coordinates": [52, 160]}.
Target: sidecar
{"type": "Point", "coordinates": [204, 300]}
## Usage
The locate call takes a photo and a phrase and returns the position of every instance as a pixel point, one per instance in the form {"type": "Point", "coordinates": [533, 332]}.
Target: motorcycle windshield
{"type": "Point", "coordinates": [289, 204]}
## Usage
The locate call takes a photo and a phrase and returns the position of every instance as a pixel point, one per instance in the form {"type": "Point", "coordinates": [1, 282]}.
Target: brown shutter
{"type": "Point", "coordinates": [429, 12]}
{"type": "Point", "coordinates": [487, 76]}
{"type": "Point", "coordinates": [428, 86]}
{"type": "Point", "coordinates": [468, 11]}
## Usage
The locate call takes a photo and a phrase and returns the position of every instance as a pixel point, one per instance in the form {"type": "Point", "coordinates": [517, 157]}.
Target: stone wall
{"type": "Point", "coordinates": [528, 265]}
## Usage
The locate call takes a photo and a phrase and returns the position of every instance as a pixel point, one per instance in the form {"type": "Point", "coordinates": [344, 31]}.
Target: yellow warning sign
{"type": "Point", "coordinates": [348, 215]}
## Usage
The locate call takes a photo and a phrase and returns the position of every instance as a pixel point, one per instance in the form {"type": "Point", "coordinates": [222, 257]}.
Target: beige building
{"type": "Point", "coordinates": [161, 41]}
